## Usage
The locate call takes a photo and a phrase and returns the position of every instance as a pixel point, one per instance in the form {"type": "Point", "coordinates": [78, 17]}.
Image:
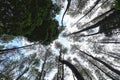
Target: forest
{"type": "Point", "coordinates": [59, 40]}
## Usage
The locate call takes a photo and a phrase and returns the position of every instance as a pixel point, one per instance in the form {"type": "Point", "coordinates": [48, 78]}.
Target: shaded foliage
{"type": "Point", "coordinates": [33, 19]}
{"type": "Point", "coordinates": [117, 4]}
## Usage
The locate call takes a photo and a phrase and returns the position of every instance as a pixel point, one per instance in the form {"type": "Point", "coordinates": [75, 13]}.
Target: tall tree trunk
{"type": "Point", "coordinates": [11, 49]}
{"type": "Point", "coordinates": [18, 78]}
{"type": "Point", "coordinates": [96, 3]}
{"type": "Point", "coordinates": [68, 5]}
{"type": "Point", "coordinates": [98, 18]}
{"type": "Point", "coordinates": [94, 20]}
{"type": "Point", "coordinates": [105, 64]}
{"type": "Point", "coordinates": [110, 76]}
{"type": "Point", "coordinates": [106, 73]}
{"type": "Point", "coordinates": [43, 66]}
{"type": "Point", "coordinates": [74, 70]}
{"type": "Point", "coordinates": [111, 42]}
{"type": "Point", "coordinates": [111, 55]}
{"type": "Point", "coordinates": [62, 72]}
{"type": "Point", "coordinates": [91, 34]}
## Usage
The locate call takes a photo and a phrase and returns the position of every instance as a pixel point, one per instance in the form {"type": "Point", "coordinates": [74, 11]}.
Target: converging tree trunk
{"type": "Point", "coordinates": [74, 70]}
{"type": "Point", "coordinates": [18, 78]}
{"type": "Point", "coordinates": [68, 5]}
{"type": "Point", "coordinates": [95, 4]}
{"type": "Point", "coordinates": [105, 64]}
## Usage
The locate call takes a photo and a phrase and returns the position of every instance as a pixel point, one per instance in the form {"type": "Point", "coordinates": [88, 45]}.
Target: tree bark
{"type": "Point", "coordinates": [18, 78]}
{"type": "Point", "coordinates": [96, 24]}
{"type": "Point", "coordinates": [74, 70]}
{"type": "Point", "coordinates": [105, 64]}
{"type": "Point", "coordinates": [96, 3]}
{"type": "Point", "coordinates": [68, 5]}
{"type": "Point", "coordinates": [11, 49]}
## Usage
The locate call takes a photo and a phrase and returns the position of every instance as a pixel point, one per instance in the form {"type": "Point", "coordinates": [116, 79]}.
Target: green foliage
{"type": "Point", "coordinates": [4, 77]}
{"type": "Point", "coordinates": [6, 38]}
{"type": "Point", "coordinates": [33, 19]}
{"type": "Point", "coordinates": [36, 62]}
{"type": "Point", "coordinates": [117, 4]}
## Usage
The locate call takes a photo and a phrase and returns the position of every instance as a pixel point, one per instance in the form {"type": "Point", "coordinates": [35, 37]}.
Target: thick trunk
{"type": "Point", "coordinates": [74, 70]}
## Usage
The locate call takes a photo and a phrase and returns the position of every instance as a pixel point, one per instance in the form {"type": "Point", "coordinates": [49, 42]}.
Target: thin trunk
{"type": "Point", "coordinates": [68, 5]}
{"type": "Point", "coordinates": [43, 66]}
{"type": "Point", "coordinates": [99, 18]}
{"type": "Point", "coordinates": [94, 20]}
{"type": "Point", "coordinates": [116, 54]}
{"type": "Point", "coordinates": [62, 72]}
{"type": "Point", "coordinates": [73, 76]}
{"type": "Point", "coordinates": [11, 49]}
{"type": "Point", "coordinates": [87, 74]}
{"type": "Point", "coordinates": [111, 55]}
{"type": "Point", "coordinates": [96, 3]}
{"type": "Point", "coordinates": [85, 29]}
{"type": "Point", "coordinates": [29, 76]}
{"type": "Point", "coordinates": [111, 42]}
{"type": "Point", "coordinates": [58, 72]}
{"type": "Point", "coordinates": [105, 64]}
{"type": "Point", "coordinates": [91, 34]}
{"type": "Point", "coordinates": [7, 70]}
{"type": "Point", "coordinates": [110, 76]}
{"type": "Point", "coordinates": [18, 78]}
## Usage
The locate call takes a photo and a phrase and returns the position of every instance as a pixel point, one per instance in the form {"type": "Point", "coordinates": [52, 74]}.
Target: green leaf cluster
{"type": "Point", "coordinates": [117, 4]}
{"type": "Point", "coordinates": [33, 19]}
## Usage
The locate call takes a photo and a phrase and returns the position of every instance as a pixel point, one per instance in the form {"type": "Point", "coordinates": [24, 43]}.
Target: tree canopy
{"type": "Point", "coordinates": [117, 4]}
{"type": "Point", "coordinates": [76, 57]}
{"type": "Point", "coordinates": [33, 19]}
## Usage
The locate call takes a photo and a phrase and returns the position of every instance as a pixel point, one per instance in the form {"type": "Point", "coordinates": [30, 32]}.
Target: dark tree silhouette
{"type": "Point", "coordinates": [68, 5]}
{"type": "Point", "coordinates": [104, 63]}
{"type": "Point", "coordinates": [95, 4]}
{"type": "Point", "coordinates": [106, 25]}
{"type": "Point", "coordinates": [17, 48]}
{"type": "Point", "coordinates": [74, 70]}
